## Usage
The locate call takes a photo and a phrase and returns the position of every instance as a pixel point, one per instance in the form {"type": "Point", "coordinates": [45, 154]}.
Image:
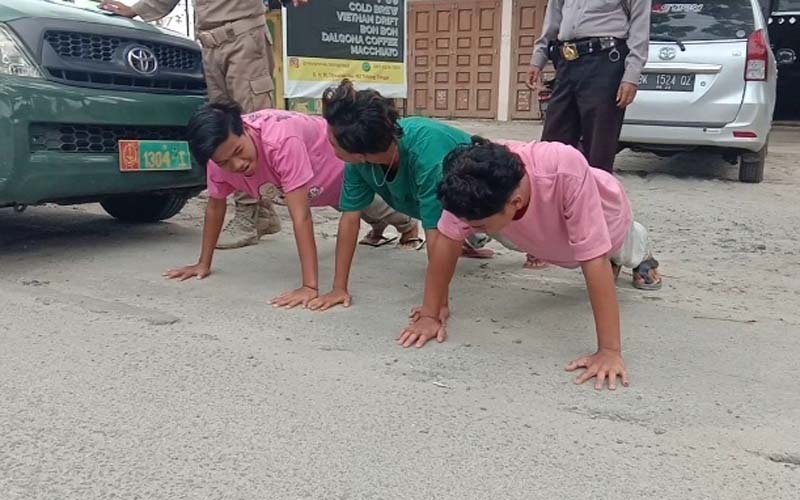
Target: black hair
{"type": "Point", "coordinates": [210, 126]}
{"type": "Point", "coordinates": [362, 121]}
{"type": "Point", "coordinates": [479, 179]}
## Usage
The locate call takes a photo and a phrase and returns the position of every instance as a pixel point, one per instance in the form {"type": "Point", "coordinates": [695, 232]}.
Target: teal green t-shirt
{"type": "Point", "coordinates": [423, 147]}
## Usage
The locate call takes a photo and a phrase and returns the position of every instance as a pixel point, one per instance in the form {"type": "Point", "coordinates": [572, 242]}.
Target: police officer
{"type": "Point", "coordinates": [238, 64]}
{"type": "Point", "coordinates": [599, 48]}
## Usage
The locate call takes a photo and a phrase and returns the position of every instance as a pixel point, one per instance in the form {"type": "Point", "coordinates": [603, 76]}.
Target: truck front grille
{"type": "Point", "coordinates": [80, 138]}
{"type": "Point", "coordinates": [101, 48]}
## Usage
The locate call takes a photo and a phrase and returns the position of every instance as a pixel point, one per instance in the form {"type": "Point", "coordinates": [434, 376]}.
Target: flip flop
{"type": "Point", "coordinates": [646, 277]}
{"type": "Point", "coordinates": [411, 244]}
{"type": "Point", "coordinates": [533, 263]}
{"type": "Point", "coordinates": [385, 240]}
{"type": "Point", "coordinates": [476, 253]}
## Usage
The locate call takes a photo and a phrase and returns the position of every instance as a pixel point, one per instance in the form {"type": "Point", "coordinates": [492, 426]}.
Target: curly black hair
{"type": "Point", "coordinates": [479, 179]}
{"type": "Point", "coordinates": [362, 121]}
{"type": "Point", "coordinates": [210, 126]}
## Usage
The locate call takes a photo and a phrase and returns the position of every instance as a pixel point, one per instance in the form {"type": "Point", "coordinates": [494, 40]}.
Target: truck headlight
{"type": "Point", "coordinates": [14, 60]}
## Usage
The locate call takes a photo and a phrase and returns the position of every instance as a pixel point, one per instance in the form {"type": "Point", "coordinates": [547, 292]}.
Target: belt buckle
{"type": "Point", "coordinates": [569, 51]}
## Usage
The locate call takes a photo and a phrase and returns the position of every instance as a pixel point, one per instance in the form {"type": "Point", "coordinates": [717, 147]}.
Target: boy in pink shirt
{"type": "Point", "coordinates": [543, 199]}
{"type": "Point", "coordinates": [290, 151]}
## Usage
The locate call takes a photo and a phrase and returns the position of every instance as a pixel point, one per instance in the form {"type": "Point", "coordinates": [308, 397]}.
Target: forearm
{"type": "Point", "coordinates": [307, 249]}
{"type": "Point", "coordinates": [552, 23]}
{"type": "Point", "coordinates": [638, 40]}
{"type": "Point", "coordinates": [441, 267]}
{"type": "Point", "coordinates": [433, 237]}
{"type": "Point", "coordinates": [215, 217]}
{"type": "Point", "coordinates": [603, 296]}
{"type": "Point", "coordinates": [346, 241]}
{"type": "Point", "coordinates": [153, 10]}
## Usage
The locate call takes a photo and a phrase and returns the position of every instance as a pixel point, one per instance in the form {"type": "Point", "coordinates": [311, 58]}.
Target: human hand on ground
{"type": "Point", "coordinates": [300, 297]}
{"type": "Point", "coordinates": [199, 271]}
{"type": "Point", "coordinates": [626, 94]}
{"type": "Point", "coordinates": [421, 331]}
{"type": "Point", "coordinates": [335, 297]}
{"type": "Point", "coordinates": [416, 314]}
{"type": "Point", "coordinates": [117, 8]}
{"type": "Point", "coordinates": [602, 365]}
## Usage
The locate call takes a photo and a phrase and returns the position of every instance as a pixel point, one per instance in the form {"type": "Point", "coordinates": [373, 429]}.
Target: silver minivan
{"type": "Point", "coordinates": [709, 83]}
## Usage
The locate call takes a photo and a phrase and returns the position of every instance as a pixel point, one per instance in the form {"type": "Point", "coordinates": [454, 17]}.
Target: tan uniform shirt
{"type": "Point", "coordinates": [209, 13]}
{"type": "Point", "coordinates": [575, 19]}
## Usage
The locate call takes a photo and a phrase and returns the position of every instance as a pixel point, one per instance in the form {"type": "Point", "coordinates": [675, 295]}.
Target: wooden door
{"type": "Point", "coordinates": [528, 20]}
{"type": "Point", "coordinates": [454, 58]}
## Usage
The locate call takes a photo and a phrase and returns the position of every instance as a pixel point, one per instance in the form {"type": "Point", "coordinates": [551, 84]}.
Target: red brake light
{"type": "Point", "coordinates": [757, 57]}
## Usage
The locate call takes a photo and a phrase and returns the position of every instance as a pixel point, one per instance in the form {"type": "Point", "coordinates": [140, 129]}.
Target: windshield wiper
{"type": "Point", "coordinates": [667, 38]}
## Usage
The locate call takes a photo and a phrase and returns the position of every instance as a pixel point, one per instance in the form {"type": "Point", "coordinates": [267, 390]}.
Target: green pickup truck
{"type": "Point", "coordinates": [75, 85]}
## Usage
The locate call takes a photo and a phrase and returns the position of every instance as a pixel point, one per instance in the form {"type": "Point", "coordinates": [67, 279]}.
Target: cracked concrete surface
{"type": "Point", "coordinates": [117, 384]}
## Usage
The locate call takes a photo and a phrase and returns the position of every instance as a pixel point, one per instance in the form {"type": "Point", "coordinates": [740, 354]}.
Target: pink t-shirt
{"type": "Point", "coordinates": [577, 213]}
{"type": "Point", "coordinates": [293, 151]}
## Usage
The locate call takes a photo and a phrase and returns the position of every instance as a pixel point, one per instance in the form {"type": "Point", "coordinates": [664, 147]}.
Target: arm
{"type": "Point", "coordinates": [215, 217]}
{"type": "Point", "coordinates": [603, 296]}
{"type": "Point", "coordinates": [638, 43]}
{"type": "Point", "coordinates": [638, 40]}
{"type": "Point", "coordinates": [552, 24]}
{"type": "Point", "coordinates": [346, 241]}
{"type": "Point", "coordinates": [303, 224]}
{"type": "Point", "coordinates": [148, 10]}
{"type": "Point", "coordinates": [433, 237]}
{"type": "Point", "coordinates": [607, 361]}
{"type": "Point", "coordinates": [444, 254]}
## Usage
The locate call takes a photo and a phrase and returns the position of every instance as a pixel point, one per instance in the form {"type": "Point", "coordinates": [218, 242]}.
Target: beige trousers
{"type": "Point", "coordinates": [380, 215]}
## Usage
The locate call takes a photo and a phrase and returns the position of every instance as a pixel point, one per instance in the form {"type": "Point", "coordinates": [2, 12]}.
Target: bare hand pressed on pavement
{"type": "Point", "coordinates": [418, 333]}
{"type": "Point", "coordinates": [300, 297]}
{"type": "Point", "coordinates": [602, 365]}
{"type": "Point", "coordinates": [332, 299]}
{"type": "Point", "coordinates": [199, 271]}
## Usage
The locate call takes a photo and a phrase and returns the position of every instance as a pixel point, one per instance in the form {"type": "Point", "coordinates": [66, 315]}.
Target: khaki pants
{"type": "Point", "coordinates": [238, 64]}
{"type": "Point", "coordinates": [380, 215]}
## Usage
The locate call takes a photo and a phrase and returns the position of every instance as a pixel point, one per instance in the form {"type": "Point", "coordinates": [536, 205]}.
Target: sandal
{"type": "Point", "coordinates": [476, 253]}
{"type": "Point", "coordinates": [377, 242]}
{"type": "Point", "coordinates": [646, 276]}
{"type": "Point", "coordinates": [411, 244]}
{"type": "Point", "coordinates": [534, 263]}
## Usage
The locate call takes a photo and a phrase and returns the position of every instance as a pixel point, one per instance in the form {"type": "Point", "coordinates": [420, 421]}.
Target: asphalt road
{"type": "Point", "coordinates": [118, 384]}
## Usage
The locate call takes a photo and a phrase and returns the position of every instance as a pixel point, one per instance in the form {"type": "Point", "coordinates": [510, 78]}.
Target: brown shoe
{"type": "Point", "coordinates": [241, 230]}
{"type": "Point", "coordinates": [269, 222]}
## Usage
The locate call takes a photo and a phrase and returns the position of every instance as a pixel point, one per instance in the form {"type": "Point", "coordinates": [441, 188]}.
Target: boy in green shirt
{"type": "Point", "coordinates": [399, 160]}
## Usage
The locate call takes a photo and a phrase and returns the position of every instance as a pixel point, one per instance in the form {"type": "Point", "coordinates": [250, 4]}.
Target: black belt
{"type": "Point", "coordinates": [575, 49]}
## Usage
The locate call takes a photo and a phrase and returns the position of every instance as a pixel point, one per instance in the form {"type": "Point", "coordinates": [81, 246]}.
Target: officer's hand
{"type": "Point", "coordinates": [117, 8]}
{"type": "Point", "coordinates": [534, 77]}
{"type": "Point", "coordinates": [298, 3]}
{"type": "Point", "coordinates": [626, 94]}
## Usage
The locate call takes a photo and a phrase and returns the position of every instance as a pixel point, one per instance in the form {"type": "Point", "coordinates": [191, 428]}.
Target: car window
{"type": "Point", "coordinates": [786, 6]}
{"type": "Point", "coordinates": [710, 20]}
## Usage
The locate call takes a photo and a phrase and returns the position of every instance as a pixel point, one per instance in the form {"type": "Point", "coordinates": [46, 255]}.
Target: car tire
{"type": "Point", "coordinates": [751, 166]}
{"type": "Point", "coordinates": [144, 207]}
